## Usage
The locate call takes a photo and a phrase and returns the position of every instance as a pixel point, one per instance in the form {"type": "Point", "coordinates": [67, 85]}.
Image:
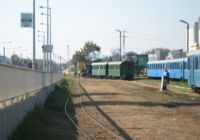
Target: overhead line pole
{"type": "Point", "coordinates": [124, 37]}
{"type": "Point", "coordinates": [47, 33]}
{"type": "Point", "coordinates": [120, 44]}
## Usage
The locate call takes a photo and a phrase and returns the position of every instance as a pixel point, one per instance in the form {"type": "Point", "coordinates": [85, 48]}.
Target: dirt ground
{"type": "Point", "coordinates": [138, 110]}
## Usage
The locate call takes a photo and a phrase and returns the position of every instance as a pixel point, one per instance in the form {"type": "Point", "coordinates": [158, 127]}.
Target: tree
{"type": "Point", "coordinates": [87, 53]}
{"type": "Point", "coordinates": [15, 59]}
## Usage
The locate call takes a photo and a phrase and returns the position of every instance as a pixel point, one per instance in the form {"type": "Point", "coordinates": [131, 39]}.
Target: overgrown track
{"type": "Point", "coordinates": [100, 130]}
{"type": "Point", "coordinates": [72, 121]}
{"type": "Point", "coordinates": [137, 111]}
{"type": "Point", "coordinates": [71, 118]}
{"type": "Point", "coordinates": [82, 90]}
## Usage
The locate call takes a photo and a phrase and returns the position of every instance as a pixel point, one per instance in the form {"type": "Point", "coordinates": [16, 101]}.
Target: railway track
{"type": "Point", "coordinates": [170, 102]}
{"type": "Point", "coordinates": [100, 130]}
{"type": "Point", "coordinates": [143, 112]}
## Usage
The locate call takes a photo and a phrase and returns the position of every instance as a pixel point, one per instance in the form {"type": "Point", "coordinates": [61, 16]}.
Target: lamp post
{"type": "Point", "coordinates": [33, 61]}
{"type": "Point", "coordinates": [187, 28]}
{"type": "Point", "coordinates": [43, 36]}
{"type": "Point", "coordinates": [120, 49]}
{"type": "Point", "coordinates": [124, 37]}
{"type": "Point", "coordinates": [48, 14]}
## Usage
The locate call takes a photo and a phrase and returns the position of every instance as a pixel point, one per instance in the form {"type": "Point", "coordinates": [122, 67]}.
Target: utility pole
{"type": "Point", "coordinates": [124, 37]}
{"type": "Point", "coordinates": [60, 64]}
{"type": "Point", "coordinates": [68, 53]}
{"type": "Point", "coordinates": [120, 44]}
{"type": "Point", "coordinates": [68, 58]}
{"type": "Point", "coordinates": [4, 54]}
{"type": "Point", "coordinates": [33, 61]}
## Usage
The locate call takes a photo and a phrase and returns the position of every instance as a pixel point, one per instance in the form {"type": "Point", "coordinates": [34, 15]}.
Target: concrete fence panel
{"type": "Point", "coordinates": [28, 87]}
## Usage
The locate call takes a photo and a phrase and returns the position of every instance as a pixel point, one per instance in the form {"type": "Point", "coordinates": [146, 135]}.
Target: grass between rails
{"type": "Point", "coordinates": [47, 122]}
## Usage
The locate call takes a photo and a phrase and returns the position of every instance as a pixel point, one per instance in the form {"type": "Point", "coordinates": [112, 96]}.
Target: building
{"type": "Point", "coordinates": [152, 57]}
{"type": "Point", "coordinates": [194, 37]}
{"type": "Point", "coordinates": [174, 54]}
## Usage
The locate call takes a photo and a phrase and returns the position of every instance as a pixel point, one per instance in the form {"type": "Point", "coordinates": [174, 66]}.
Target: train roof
{"type": "Point", "coordinates": [166, 61]}
{"type": "Point", "coordinates": [196, 52]}
{"type": "Point", "coordinates": [99, 63]}
{"type": "Point", "coordinates": [115, 63]}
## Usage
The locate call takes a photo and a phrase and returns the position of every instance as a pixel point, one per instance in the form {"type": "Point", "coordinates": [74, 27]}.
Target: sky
{"type": "Point", "coordinates": [149, 24]}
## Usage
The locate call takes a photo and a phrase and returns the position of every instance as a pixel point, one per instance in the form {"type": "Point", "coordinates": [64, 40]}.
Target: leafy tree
{"type": "Point", "coordinates": [87, 53]}
{"type": "Point", "coordinates": [15, 59]}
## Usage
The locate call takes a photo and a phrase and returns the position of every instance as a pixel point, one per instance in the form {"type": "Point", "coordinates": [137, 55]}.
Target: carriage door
{"type": "Point", "coordinates": [192, 67]}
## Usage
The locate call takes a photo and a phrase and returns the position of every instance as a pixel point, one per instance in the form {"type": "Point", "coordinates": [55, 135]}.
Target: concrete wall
{"type": "Point", "coordinates": [16, 81]}
{"type": "Point", "coordinates": [21, 89]}
{"type": "Point", "coordinates": [11, 116]}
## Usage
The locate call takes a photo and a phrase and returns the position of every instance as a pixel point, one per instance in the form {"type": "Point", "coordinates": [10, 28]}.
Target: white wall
{"type": "Point", "coordinates": [21, 82]}
{"type": "Point", "coordinates": [16, 81]}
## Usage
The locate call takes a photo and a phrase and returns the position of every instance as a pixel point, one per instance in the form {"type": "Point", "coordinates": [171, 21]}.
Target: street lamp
{"type": "Point", "coordinates": [48, 24]}
{"type": "Point", "coordinates": [33, 61]}
{"type": "Point", "coordinates": [42, 36]}
{"type": "Point", "coordinates": [120, 49]}
{"type": "Point", "coordinates": [124, 36]}
{"type": "Point", "coordinates": [48, 14]}
{"type": "Point", "coordinates": [187, 28]}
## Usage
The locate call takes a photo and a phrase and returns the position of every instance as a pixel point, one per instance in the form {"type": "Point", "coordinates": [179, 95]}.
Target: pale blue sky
{"type": "Point", "coordinates": [150, 24]}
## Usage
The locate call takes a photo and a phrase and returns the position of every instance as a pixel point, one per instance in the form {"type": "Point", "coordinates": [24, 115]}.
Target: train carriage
{"type": "Point", "coordinates": [193, 63]}
{"type": "Point", "coordinates": [99, 69]}
{"type": "Point", "coordinates": [121, 69]}
{"type": "Point", "coordinates": [176, 68]}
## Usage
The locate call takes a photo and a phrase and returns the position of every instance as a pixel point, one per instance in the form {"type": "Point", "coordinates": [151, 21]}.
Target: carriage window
{"type": "Point", "coordinates": [196, 63]}
{"type": "Point", "coordinates": [111, 67]}
{"type": "Point", "coordinates": [188, 63]}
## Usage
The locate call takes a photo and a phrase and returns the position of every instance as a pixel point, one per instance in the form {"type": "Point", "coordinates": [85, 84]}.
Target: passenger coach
{"type": "Point", "coordinates": [99, 69]}
{"type": "Point", "coordinates": [176, 68]}
{"type": "Point", "coordinates": [193, 63]}
{"type": "Point", "coordinates": [121, 69]}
